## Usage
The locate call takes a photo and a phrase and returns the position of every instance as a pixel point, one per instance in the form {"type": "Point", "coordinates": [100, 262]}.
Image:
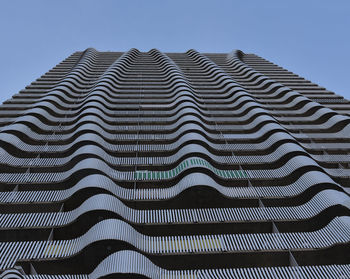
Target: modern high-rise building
{"type": "Point", "coordinates": [174, 165]}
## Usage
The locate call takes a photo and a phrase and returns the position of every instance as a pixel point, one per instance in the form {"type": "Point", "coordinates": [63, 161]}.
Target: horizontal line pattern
{"type": "Point", "coordinates": [170, 166]}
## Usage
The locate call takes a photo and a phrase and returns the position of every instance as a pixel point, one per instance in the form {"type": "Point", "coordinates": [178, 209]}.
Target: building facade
{"type": "Point", "coordinates": [174, 165]}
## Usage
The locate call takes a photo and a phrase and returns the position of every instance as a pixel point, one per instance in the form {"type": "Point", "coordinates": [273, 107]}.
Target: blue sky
{"type": "Point", "coordinates": [310, 38]}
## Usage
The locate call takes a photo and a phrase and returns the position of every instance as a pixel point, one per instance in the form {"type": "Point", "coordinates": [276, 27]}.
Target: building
{"type": "Point", "coordinates": [174, 165]}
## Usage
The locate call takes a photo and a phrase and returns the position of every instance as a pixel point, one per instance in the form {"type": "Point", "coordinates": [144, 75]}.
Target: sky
{"type": "Point", "coordinates": [310, 38]}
